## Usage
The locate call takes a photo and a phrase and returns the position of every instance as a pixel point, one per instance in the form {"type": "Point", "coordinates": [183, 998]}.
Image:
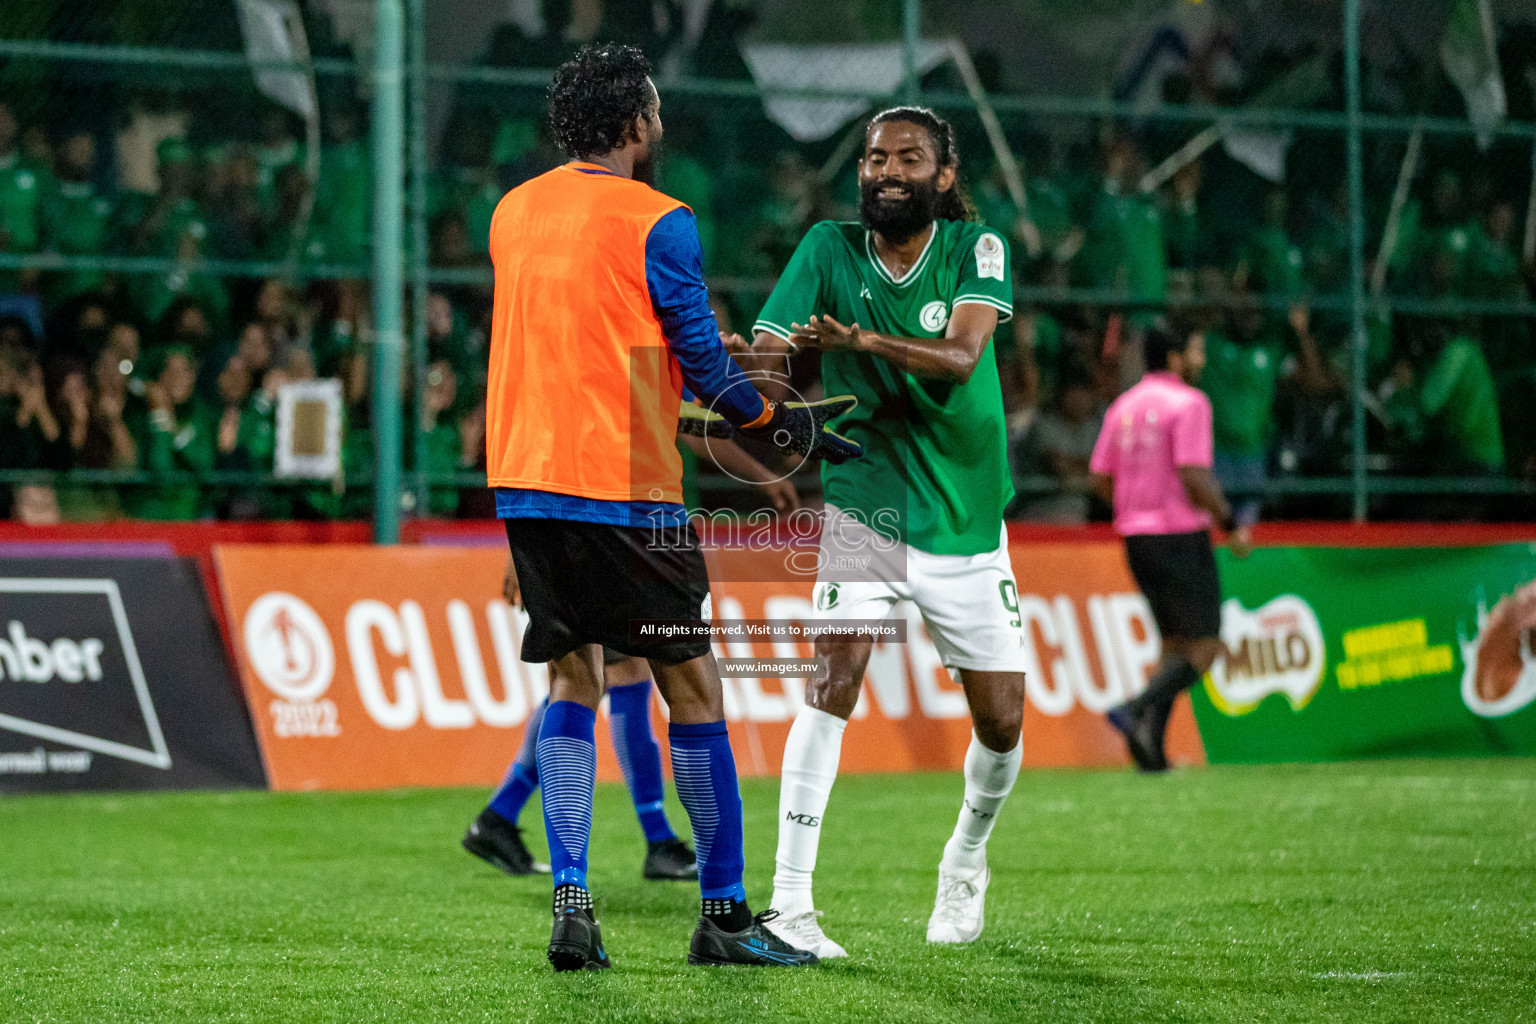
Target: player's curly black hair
{"type": "Point", "coordinates": [954, 204]}
{"type": "Point", "coordinates": [596, 96]}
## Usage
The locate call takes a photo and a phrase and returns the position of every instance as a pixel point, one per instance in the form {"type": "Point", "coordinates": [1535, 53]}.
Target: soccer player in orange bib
{"type": "Point", "coordinates": [600, 317]}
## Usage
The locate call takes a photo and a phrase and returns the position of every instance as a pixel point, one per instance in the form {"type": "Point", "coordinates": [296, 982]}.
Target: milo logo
{"type": "Point", "coordinates": [1276, 648]}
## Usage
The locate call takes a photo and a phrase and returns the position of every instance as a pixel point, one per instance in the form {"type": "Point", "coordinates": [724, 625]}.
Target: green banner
{"type": "Point", "coordinates": [1339, 653]}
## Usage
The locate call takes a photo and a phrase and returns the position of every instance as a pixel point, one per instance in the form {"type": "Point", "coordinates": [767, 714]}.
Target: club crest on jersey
{"type": "Point", "coordinates": [826, 597]}
{"type": "Point", "coordinates": [989, 257]}
{"type": "Point", "coordinates": [934, 315]}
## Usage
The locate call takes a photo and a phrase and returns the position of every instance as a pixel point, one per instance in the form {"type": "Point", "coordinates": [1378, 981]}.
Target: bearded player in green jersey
{"type": "Point", "coordinates": [902, 307]}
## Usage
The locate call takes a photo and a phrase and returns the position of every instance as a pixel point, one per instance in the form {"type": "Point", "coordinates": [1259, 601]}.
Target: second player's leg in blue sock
{"type": "Point", "coordinates": [629, 722]}
{"type": "Point", "coordinates": [568, 766]}
{"type": "Point", "coordinates": [704, 772]}
{"type": "Point", "coordinates": [523, 777]}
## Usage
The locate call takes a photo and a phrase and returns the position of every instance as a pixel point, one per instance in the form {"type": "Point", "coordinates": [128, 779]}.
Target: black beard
{"type": "Point", "coordinates": [645, 170]}
{"type": "Point", "coordinates": [901, 219]}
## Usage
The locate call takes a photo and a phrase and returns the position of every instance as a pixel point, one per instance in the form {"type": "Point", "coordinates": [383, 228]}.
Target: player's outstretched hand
{"type": "Point", "coordinates": [802, 428]}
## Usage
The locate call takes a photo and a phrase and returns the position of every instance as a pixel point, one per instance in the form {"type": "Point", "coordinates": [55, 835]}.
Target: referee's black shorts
{"type": "Point", "coordinates": [582, 583]}
{"type": "Point", "coordinates": [1177, 574]}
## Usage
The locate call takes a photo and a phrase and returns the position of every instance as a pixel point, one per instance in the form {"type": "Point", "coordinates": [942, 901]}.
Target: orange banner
{"type": "Point", "coordinates": [369, 667]}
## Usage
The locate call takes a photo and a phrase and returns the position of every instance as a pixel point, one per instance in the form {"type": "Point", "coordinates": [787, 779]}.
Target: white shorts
{"type": "Point", "coordinates": [969, 603]}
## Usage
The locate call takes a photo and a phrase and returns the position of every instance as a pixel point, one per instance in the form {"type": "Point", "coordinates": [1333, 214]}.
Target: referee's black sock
{"type": "Point", "coordinates": [1174, 677]}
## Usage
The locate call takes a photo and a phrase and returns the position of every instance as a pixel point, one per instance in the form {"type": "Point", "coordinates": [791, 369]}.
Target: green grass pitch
{"type": "Point", "coordinates": [1401, 891]}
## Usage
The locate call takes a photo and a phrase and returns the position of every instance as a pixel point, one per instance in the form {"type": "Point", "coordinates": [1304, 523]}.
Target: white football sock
{"type": "Point", "coordinates": [810, 767]}
{"type": "Point", "coordinates": [989, 777]}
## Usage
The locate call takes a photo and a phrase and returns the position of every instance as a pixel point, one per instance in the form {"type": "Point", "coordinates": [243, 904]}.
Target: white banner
{"type": "Point", "coordinates": [875, 67]}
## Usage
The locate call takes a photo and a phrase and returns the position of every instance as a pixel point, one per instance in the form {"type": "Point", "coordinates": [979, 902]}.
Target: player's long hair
{"type": "Point", "coordinates": [954, 204]}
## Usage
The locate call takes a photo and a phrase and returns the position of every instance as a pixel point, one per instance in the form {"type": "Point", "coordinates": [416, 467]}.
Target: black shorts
{"type": "Point", "coordinates": [1177, 573]}
{"type": "Point", "coordinates": [582, 583]}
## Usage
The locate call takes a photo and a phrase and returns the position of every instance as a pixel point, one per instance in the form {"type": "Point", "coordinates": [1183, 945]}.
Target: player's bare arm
{"type": "Point", "coordinates": [1204, 492]}
{"type": "Point", "coordinates": [730, 457]}
{"type": "Point", "coordinates": [952, 357]}
{"type": "Point", "coordinates": [1103, 485]}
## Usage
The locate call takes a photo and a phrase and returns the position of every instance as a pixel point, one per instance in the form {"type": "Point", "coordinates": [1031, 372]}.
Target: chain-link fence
{"type": "Point", "coordinates": [187, 203]}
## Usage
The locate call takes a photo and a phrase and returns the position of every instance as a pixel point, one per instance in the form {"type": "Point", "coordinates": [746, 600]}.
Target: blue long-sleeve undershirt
{"type": "Point", "coordinates": [674, 270]}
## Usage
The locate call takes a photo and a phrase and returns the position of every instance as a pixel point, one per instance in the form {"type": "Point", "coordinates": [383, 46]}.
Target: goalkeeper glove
{"type": "Point", "coordinates": [801, 428]}
{"type": "Point", "coordinates": [697, 421]}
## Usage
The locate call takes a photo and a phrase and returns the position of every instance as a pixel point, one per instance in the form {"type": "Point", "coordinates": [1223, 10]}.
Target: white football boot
{"type": "Point", "coordinates": [803, 931]}
{"type": "Point", "coordinates": [960, 908]}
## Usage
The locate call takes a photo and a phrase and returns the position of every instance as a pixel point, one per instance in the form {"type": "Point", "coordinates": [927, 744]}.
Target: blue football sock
{"type": "Point", "coordinates": [523, 777]}
{"type": "Point", "coordinates": [705, 775]}
{"type": "Point", "coordinates": [568, 770]}
{"type": "Point", "coordinates": [629, 722]}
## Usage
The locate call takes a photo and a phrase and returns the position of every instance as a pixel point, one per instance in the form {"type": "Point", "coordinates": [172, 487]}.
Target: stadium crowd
{"type": "Point", "coordinates": [175, 375]}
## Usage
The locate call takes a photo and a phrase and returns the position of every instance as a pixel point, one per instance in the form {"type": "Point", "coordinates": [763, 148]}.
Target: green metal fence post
{"type": "Point", "coordinates": [387, 139]}
{"type": "Point", "coordinates": [1356, 250]}
{"type": "Point", "coordinates": [911, 32]}
{"type": "Point", "coordinates": [419, 257]}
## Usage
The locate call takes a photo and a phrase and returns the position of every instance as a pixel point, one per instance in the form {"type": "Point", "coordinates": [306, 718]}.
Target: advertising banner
{"type": "Point", "coordinates": [368, 667]}
{"type": "Point", "coordinates": [112, 676]}
{"type": "Point", "coordinates": [1336, 653]}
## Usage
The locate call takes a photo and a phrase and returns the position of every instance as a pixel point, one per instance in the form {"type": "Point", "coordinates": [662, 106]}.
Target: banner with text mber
{"type": "Point", "coordinates": [371, 667]}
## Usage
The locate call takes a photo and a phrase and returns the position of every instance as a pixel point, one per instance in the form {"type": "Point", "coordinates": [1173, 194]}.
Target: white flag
{"type": "Point", "coordinates": [1471, 59]}
{"type": "Point", "coordinates": [268, 37]}
{"type": "Point", "coordinates": [875, 67]}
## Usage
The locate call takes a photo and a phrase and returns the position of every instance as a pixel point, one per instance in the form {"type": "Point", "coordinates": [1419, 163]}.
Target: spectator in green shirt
{"type": "Point", "coordinates": [1188, 236]}
{"type": "Point", "coordinates": [443, 448]}
{"type": "Point", "coordinates": [1270, 253]}
{"type": "Point", "coordinates": [158, 224]}
{"type": "Point", "coordinates": [77, 216]}
{"type": "Point", "coordinates": [688, 180]}
{"type": "Point", "coordinates": [1246, 358]}
{"type": "Point", "coordinates": [344, 194]}
{"type": "Point", "coordinates": [1452, 405]}
{"type": "Point", "coordinates": [467, 184]}
{"type": "Point", "coordinates": [179, 439]}
{"type": "Point", "coordinates": [247, 440]}
{"type": "Point", "coordinates": [22, 187]}
{"type": "Point", "coordinates": [277, 148]}
{"type": "Point", "coordinates": [1125, 249]}
{"type": "Point", "coordinates": [1495, 269]}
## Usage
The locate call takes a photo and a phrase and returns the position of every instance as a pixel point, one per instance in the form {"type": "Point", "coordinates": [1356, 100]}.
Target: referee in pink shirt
{"type": "Point", "coordinates": [1153, 463]}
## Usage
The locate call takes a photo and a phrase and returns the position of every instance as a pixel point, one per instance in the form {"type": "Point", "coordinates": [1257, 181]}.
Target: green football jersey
{"type": "Point", "coordinates": [935, 465]}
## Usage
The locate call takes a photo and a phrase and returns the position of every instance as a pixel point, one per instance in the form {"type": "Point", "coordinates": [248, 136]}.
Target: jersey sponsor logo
{"type": "Point", "coordinates": [826, 596]}
{"type": "Point", "coordinates": [1276, 648]}
{"type": "Point", "coordinates": [934, 315]}
{"type": "Point", "coordinates": [989, 257]}
{"type": "Point", "coordinates": [1500, 657]}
